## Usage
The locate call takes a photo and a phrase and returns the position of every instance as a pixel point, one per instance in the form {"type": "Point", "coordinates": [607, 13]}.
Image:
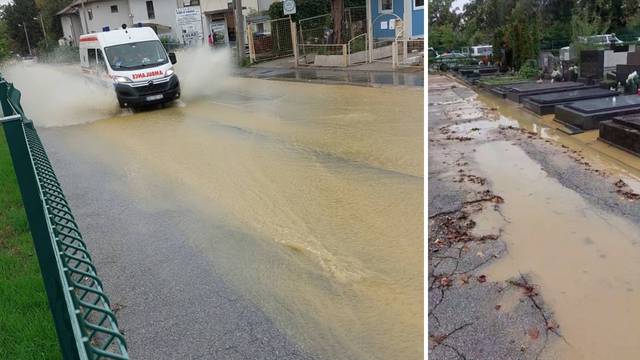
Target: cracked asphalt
{"type": "Point", "coordinates": [468, 316]}
{"type": "Point", "coordinates": [472, 315]}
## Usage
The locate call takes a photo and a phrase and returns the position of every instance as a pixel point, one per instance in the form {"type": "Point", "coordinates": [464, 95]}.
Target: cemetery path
{"type": "Point", "coordinates": [533, 235]}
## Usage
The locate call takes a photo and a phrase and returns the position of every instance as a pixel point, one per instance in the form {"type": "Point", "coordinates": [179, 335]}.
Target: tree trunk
{"type": "Point", "coordinates": [337, 10]}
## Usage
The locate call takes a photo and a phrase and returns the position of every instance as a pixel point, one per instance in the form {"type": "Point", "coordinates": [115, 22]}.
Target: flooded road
{"type": "Point", "coordinates": [324, 182]}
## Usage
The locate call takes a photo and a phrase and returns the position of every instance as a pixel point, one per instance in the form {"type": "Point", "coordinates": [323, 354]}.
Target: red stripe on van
{"type": "Point", "coordinates": [89, 38]}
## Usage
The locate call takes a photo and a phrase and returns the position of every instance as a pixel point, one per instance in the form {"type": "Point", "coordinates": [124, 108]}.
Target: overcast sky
{"type": "Point", "coordinates": [456, 3]}
{"type": "Point", "coordinates": [4, 2]}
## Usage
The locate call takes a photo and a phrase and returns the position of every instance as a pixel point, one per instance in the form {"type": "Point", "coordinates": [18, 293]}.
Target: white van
{"type": "Point", "coordinates": [135, 62]}
{"type": "Point", "coordinates": [481, 50]}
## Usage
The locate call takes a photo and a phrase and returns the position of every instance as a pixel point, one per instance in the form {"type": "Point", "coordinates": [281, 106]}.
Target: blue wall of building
{"type": "Point", "coordinates": [417, 19]}
{"type": "Point", "coordinates": [398, 9]}
{"type": "Point", "coordinates": [417, 22]}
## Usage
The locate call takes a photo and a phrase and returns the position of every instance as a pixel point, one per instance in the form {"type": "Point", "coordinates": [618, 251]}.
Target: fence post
{"type": "Point", "coordinates": [394, 54]}
{"type": "Point", "coordinates": [252, 50]}
{"type": "Point", "coordinates": [43, 242]}
{"type": "Point", "coordinates": [345, 56]}
{"type": "Point", "coordinates": [294, 41]}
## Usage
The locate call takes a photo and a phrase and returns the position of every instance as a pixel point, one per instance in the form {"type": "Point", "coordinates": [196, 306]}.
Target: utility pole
{"type": "Point", "coordinates": [239, 32]}
{"type": "Point", "coordinates": [85, 28]}
{"type": "Point", "coordinates": [44, 32]}
{"type": "Point", "coordinates": [27, 36]}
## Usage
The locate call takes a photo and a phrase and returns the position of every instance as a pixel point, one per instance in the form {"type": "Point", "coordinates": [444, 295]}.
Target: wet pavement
{"type": "Point", "coordinates": [273, 220]}
{"type": "Point", "coordinates": [338, 76]}
{"type": "Point", "coordinates": [534, 235]}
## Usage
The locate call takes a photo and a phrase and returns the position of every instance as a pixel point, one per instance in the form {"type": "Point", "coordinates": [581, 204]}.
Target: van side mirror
{"type": "Point", "coordinates": [172, 57]}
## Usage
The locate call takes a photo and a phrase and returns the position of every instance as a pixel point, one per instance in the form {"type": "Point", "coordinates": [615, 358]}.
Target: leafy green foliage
{"type": "Point", "coordinates": [528, 70]}
{"type": "Point", "coordinates": [309, 8]}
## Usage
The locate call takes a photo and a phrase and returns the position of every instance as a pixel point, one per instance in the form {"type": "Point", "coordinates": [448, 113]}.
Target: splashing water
{"type": "Point", "coordinates": [202, 71]}
{"type": "Point", "coordinates": [59, 95]}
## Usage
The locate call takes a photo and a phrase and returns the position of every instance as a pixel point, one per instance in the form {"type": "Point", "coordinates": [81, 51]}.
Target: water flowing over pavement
{"type": "Point", "coordinates": [272, 220]}
{"type": "Point", "coordinates": [534, 235]}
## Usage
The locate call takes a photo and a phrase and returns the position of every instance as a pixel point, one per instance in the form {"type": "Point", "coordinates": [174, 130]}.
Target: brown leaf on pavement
{"type": "Point", "coordinates": [533, 333]}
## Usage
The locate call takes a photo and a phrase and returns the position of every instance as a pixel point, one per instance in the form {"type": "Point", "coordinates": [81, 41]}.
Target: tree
{"type": "Point", "coordinates": [48, 10]}
{"type": "Point", "coordinates": [590, 17]}
{"type": "Point", "coordinates": [5, 50]}
{"type": "Point", "coordinates": [337, 10]}
{"type": "Point", "coordinates": [16, 16]}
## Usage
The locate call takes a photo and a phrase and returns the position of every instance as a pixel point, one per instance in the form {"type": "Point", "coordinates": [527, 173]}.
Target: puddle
{"type": "Point", "coordinates": [584, 260]}
{"type": "Point", "coordinates": [598, 153]}
{"type": "Point", "coordinates": [480, 128]}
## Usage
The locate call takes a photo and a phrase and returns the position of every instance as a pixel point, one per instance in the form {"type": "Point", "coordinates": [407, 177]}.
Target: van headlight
{"type": "Point", "coordinates": [169, 72]}
{"type": "Point", "coordinates": [122, 79]}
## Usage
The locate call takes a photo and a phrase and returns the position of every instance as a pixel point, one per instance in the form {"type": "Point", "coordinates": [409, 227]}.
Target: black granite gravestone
{"type": "Point", "coordinates": [622, 132]}
{"type": "Point", "coordinates": [544, 104]}
{"type": "Point", "coordinates": [587, 114]}
{"type": "Point", "coordinates": [592, 64]}
{"type": "Point", "coordinates": [518, 91]}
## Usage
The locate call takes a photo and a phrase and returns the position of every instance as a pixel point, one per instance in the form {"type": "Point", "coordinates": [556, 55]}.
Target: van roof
{"type": "Point", "coordinates": [116, 37]}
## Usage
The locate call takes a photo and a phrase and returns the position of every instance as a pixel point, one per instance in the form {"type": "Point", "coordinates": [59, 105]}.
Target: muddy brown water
{"type": "Point", "coordinates": [331, 177]}
{"type": "Point", "coordinates": [584, 260]}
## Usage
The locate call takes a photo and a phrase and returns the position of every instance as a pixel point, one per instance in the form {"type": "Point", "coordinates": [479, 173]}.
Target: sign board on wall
{"type": "Point", "coordinates": [289, 7]}
{"type": "Point", "coordinates": [190, 25]}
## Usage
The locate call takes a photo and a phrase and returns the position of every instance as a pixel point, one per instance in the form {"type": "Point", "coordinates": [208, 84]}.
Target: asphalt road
{"type": "Point", "coordinates": [173, 303]}
{"type": "Point", "coordinates": [272, 220]}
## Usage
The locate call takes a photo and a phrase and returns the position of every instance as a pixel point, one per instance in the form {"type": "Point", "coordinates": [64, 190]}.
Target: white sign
{"type": "Point", "coordinates": [392, 24]}
{"type": "Point", "coordinates": [289, 7]}
{"type": "Point", "coordinates": [383, 25]}
{"type": "Point", "coordinates": [190, 24]}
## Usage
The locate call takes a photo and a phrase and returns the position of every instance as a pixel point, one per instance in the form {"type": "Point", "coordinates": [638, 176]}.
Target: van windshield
{"type": "Point", "coordinates": [136, 55]}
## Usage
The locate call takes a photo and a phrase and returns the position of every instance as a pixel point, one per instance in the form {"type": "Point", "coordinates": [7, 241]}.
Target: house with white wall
{"type": "Point", "coordinates": [89, 16]}
{"type": "Point", "coordinates": [219, 16]}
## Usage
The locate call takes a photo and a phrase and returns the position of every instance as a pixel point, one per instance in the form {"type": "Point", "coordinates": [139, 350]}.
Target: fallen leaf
{"type": "Point", "coordinates": [497, 307]}
{"type": "Point", "coordinates": [482, 278]}
{"type": "Point", "coordinates": [552, 325]}
{"type": "Point", "coordinates": [533, 333]}
{"type": "Point", "coordinates": [464, 278]}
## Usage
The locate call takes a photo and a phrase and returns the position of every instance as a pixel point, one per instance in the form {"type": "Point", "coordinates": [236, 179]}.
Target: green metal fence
{"type": "Point", "coordinates": [87, 327]}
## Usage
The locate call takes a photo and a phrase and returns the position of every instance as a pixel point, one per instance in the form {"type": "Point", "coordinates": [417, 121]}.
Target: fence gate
{"type": "Point", "coordinates": [270, 39]}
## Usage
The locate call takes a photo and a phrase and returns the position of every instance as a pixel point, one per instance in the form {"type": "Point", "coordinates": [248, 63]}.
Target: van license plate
{"type": "Point", "coordinates": [154, 97]}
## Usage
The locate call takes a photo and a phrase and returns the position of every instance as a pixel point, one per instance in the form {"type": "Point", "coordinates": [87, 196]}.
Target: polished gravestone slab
{"type": "Point", "coordinates": [501, 90]}
{"type": "Point", "coordinates": [587, 114]}
{"type": "Point", "coordinates": [544, 104]}
{"type": "Point", "coordinates": [622, 132]}
{"type": "Point", "coordinates": [519, 91]}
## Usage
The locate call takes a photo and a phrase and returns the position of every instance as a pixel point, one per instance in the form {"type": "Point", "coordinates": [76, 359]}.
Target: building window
{"type": "Point", "coordinates": [385, 5]}
{"type": "Point", "coordinates": [114, 9]}
{"type": "Point", "coordinates": [151, 14]}
{"type": "Point", "coordinates": [418, 4]}
{"type": "Point", "coordinates": [90, 14]}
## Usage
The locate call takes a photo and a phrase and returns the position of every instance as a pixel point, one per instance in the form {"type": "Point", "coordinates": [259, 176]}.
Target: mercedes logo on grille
{"type": "Point", "coordinates": [150, 82]}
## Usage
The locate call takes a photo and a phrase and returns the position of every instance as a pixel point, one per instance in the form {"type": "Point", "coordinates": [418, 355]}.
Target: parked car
{"type": "Point", "coordinates": [605, 39]}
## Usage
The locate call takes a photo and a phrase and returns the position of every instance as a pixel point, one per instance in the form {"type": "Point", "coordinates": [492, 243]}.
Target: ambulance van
{"type": "Point", "coordinates": [134, 61]}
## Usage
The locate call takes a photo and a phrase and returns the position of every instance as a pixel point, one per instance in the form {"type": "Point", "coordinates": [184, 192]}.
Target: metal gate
{"type": "Point", "coordinates": [270, 39]}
